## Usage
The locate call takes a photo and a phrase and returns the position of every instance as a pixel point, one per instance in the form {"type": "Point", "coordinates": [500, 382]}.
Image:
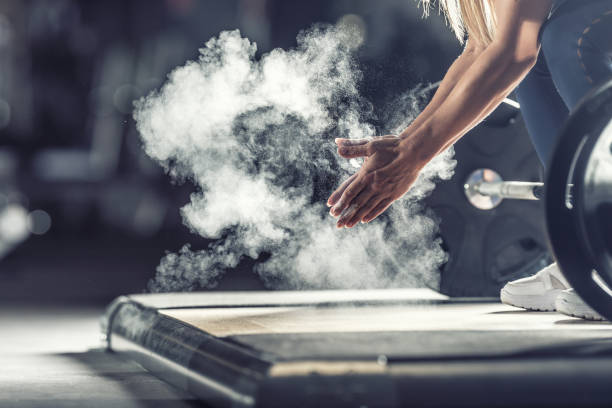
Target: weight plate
{"type": "Point", "coordinates": [563, 216]}
{"type": "Point", "coordinates": [594, 193]}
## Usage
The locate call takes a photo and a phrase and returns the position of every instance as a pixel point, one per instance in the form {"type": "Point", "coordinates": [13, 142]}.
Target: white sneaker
{"type": "Point", "coordinates": [537, 292]}
{"type": "Point", "coordinates": [569, 303]}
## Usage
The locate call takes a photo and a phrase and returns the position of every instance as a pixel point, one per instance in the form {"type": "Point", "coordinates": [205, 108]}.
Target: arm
{"type": "Point", "coordinates": [494, 74]}
{"type": "Point", "coordinates": [470, 53]}
{"type": "Point", "coordinates": [393, 163]}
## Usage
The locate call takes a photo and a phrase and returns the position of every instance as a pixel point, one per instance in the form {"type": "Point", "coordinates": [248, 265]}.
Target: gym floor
{"type": "Point", "coordinates": [52, 356]}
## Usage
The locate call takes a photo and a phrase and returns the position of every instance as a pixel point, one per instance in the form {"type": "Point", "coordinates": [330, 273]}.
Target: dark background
{"type": "Point", "coordinates": [69, 151]}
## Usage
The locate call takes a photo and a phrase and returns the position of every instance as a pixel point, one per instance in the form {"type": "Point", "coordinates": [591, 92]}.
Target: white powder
{"type": "Point", "coordinates": [257, 137]}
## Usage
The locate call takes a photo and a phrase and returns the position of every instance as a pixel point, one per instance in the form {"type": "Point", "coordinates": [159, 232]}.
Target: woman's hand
{"type": "Point", "coordinates": [391, 167]}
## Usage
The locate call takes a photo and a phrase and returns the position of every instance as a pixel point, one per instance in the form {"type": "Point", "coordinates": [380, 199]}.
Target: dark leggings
{"type": "Point", "coordinates": [576, 55]}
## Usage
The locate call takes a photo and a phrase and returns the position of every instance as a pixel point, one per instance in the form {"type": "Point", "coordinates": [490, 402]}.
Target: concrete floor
{"type": "Point", "coordinates": [51, 356]}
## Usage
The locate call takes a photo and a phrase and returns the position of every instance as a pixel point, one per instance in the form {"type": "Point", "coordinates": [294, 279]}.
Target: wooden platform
{"type": "Point", "coordinates": [362, 348]}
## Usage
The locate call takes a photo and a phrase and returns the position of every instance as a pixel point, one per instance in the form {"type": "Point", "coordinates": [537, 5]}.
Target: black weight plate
{"type": "Point", "coordinates": [562, 216]}
{"type": "Point", "coordinates": [593, 189]}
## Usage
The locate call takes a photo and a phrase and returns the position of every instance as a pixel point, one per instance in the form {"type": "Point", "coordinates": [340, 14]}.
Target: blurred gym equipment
{"type": "Point", "coordinates": [69, 72]}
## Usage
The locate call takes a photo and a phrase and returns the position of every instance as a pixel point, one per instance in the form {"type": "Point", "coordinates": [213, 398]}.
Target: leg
{"type": "Point", "coordinates": [578, 50]}
{"type": "Point", "coordinates": [544, 112]}
{"type": "Point", "coordinates": [542, 108]}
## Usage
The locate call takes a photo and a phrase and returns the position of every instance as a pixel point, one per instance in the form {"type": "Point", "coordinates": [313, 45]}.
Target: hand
{"type": "Point", "coordinates": [390, 168]}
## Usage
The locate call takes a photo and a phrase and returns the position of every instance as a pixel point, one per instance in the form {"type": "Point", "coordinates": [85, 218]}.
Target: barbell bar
{"type": "Point", "coordinates": [485, 189]}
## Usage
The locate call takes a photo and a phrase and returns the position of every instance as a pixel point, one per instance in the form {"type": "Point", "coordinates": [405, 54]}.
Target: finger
{"type": "Point", "coordinates": [351, 152]}
{"type": "Point", "coordinates": [333, 199]}
{"type": "Point", "coordinates": [350, 142]}
{"type": "Point", "coordinates": [347, 197]}
{"type": "Point", "coordinates": [362, 211]}
{"type": "Point", "coordinates": [349, 214]}
{"type": "Point", "coordinates": [379, 209]}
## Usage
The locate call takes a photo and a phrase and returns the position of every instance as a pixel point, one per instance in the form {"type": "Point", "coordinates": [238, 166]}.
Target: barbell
{"type": "Point", "coordinates": [577, 198]}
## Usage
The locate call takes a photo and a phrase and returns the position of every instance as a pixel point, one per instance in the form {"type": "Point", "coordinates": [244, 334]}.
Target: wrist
{"type": "Point", "coordinates": [419, 146]}
{"type": "Point", "coordinates": [405, 134]}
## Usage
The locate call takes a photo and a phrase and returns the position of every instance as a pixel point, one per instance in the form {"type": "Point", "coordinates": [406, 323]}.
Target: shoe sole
{"type": "Point", "coordinates": [581, 311]}
{"type": "Point", "coordinates": [540, 303]}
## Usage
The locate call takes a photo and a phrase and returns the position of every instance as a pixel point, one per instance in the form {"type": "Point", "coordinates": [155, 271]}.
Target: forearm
{"type": "Point", "coordinates": [479, 91]}
{"type": "Point", "coordinates": [452, 76]}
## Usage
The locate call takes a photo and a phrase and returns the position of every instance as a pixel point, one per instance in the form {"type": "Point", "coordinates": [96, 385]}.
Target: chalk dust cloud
{"type": "Point", "coordinates": [255, 135]}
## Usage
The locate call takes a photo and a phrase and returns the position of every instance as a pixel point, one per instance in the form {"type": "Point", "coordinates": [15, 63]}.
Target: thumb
{"type": "Point", "coordinates": [353, 151]}
{"type": "Point", "coordinates": [340, 141]}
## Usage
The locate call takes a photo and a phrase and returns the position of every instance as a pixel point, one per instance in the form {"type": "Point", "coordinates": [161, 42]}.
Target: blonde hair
{"type": "Point", "coordinates": [475, 18]}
